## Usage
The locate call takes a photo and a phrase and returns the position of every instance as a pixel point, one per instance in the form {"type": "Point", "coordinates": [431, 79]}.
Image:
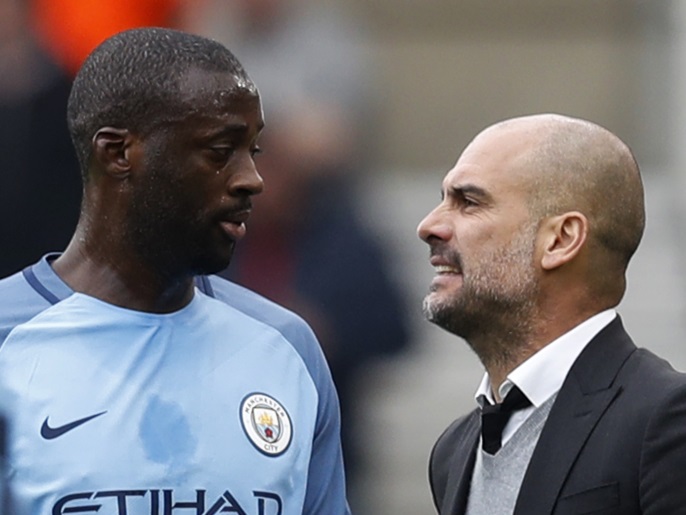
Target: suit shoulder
{"type": "Point", "coordinates": [656, 388]}
{"type": "Point", "coordinates": [653, 375]}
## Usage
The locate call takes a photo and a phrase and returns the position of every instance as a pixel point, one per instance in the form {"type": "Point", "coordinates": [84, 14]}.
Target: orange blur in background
{"type": "Point", "coordinates": [70, 29]}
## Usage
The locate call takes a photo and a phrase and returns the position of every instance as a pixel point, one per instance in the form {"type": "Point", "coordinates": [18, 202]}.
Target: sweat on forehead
{"type": "Point", "coordinates": [218, 85]}
{"type": "Point", "coordinates": [132, 78]}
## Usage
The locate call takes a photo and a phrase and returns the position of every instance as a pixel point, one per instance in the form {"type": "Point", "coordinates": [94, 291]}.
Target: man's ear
{"type": "Point", "coordinates": [111, 148]}
{"type": "Point", "coordinates": [564, 237]}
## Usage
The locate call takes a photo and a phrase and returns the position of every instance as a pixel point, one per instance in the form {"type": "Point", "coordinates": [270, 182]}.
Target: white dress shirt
{"type": "Point", "coordinates": [541, 376]}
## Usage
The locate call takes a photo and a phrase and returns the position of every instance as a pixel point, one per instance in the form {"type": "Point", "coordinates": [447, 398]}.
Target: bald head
{"type": "Point", "coordinates": [576, 165]}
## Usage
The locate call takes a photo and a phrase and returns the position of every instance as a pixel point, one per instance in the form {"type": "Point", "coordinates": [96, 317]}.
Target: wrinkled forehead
{"type": "Point", "coordinates": [499, 157]}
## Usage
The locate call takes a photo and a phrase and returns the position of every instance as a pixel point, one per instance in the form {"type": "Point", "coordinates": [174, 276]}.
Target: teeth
{"type": "Point", "coordinates": [445, 269]}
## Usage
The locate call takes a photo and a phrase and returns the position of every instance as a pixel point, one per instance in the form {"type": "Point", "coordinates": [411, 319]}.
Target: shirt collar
{"type": "Point", "coordinates": [540, 376]}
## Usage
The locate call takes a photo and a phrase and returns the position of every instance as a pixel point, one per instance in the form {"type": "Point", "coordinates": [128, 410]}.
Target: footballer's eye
{"type": "Point", "coordinates": [255, 151]}
{"type": "Point", "coordinates": [222, 151]}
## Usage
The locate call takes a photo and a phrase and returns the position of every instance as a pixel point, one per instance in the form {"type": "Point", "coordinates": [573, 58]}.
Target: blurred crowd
{"type": "Point", "coordinates": [308, 246]}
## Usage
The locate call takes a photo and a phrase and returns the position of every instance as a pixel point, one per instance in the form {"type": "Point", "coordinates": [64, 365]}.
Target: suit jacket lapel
{"type": "Point", "coordinates": [585, 395]}
{"type": "Point", "coordinates": [460, 475]}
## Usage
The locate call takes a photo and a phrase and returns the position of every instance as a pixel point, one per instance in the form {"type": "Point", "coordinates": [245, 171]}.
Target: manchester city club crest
{"type": "Point", "coordinates": [266, 423]}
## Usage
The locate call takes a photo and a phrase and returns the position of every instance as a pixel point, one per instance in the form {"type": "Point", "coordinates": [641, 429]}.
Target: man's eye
{"type": "Point", "coordinates": [223, 152]}
{"type": "Point", "coordinates": [466, 202]}
{"type": "Point", "coordinates": [255, 151]}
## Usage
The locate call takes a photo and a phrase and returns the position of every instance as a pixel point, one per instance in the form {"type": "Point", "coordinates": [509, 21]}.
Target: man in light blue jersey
{"type": "Point", "coordinates": [136, 381]}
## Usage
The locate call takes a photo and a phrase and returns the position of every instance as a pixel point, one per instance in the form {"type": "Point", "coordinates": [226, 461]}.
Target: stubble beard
{"type": "Point", "coordinates": [495, 308]}
{"type": "Point", "coordinates": [168, 244]}
{"type": "Point", "coordinates": [172, 247]}
{"type": "Point", "coordinates": [169, 237]}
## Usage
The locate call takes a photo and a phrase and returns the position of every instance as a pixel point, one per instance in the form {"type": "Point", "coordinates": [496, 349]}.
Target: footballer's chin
{"type": "Point", "coordinates": [215, 262]}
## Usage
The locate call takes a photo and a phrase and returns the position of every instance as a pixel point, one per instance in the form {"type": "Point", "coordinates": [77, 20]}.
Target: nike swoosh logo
{"type": "Point", "coordinates": [50, 433]}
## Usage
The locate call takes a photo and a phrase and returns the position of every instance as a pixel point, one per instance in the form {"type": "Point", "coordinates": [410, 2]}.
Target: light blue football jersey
{"type": "Point", "coordinates": [225, 406]}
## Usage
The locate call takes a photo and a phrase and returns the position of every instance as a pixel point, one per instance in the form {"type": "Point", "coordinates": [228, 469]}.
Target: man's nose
{"type": "Point", "coordinates": [248, 180]}
{"type": "Point", "coordinates": [434, 225]}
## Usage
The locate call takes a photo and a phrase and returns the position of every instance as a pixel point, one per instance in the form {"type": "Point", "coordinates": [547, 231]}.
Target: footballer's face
{"type": "Point", "coordinates": [198, 174]}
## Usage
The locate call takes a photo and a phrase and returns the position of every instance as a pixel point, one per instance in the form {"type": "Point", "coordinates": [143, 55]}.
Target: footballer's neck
{"type": "Point", "coordinates": [121, 282]}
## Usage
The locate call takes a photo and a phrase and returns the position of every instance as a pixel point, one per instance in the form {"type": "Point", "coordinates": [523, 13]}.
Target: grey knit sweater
{"type": "Point", "coordinates": [496, 479]}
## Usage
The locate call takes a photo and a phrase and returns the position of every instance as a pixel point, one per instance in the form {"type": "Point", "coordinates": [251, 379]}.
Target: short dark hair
{"type": "Point", "coordinates": [132, 79]}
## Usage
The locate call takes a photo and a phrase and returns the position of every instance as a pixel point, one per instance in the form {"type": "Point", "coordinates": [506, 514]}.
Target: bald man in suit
{"type": "Point", "coordinates": [530, 243]}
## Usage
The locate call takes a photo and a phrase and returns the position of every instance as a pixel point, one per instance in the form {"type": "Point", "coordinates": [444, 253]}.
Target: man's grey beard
{"type": "Point", "coordinates": [497, 336]}
{"type": "Point", "coordinates": [495, 308]}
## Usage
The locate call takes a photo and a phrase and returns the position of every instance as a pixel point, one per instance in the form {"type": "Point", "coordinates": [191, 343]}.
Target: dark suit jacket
{"type": "Point", "coordinates": [614, 442]}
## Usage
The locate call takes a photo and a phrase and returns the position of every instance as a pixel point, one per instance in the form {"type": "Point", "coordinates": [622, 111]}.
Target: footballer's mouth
{"type": "Point", "coordinates": [233, 224]}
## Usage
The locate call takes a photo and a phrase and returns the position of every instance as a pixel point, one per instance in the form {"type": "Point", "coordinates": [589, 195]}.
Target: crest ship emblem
{"type": "Point", "coordinates": [266, 423]}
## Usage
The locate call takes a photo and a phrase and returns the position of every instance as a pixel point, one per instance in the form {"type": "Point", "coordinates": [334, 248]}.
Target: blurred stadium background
{"type": "Point", "coordinates": [440, 71]}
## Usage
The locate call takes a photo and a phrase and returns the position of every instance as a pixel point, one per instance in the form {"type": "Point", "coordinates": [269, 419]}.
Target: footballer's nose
{"type": "Point", "coordinates": [247, 181]}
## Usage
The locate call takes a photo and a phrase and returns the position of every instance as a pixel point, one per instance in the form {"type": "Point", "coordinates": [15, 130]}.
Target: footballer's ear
{"type": "Point", "coordinates": [112, 149]}
{"type": "Point", "coordinates": [563, 238]}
